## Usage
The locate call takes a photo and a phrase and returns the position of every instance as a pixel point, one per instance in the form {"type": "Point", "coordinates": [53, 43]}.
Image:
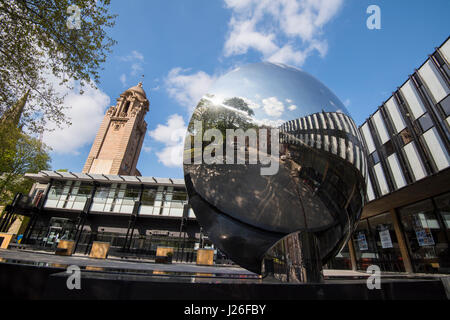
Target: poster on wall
{"type": "Point", "coordinates": [424, 237]}
{"type": "Point", "coordinates": [362, 242]}
{"type": "Point", "coordinates": [386, 241]}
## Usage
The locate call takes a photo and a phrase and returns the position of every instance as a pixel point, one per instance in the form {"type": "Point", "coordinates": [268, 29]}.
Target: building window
{"type": "Point", "coordinates": [375, 158]}
{"type": "Point", "coordinates": [151, 202]}
{"type": "Point", "coordinates": [395, 115]}
{"type": "Point", "coordinates": [368, 137]}
{"type": "Point", "coordinates": [365, 249]}
{"type": "Point", "coordinates": [425, 236]}
{"type": "Point", "coordinates": [445, 106]}
{"type": "Point", "coordinates": [388, 148]}
{"type": "Point", "coordinates": [396, 171]}
{"type": "Point", "coordinates": [127, 107]}
{"type": "Point", "coordinates": [416, 166]}
{"type": "Point", "coordinates": [436, 149]}
{"type": "Point", "coordinates": [415, 104]}
{"type": "Point", "coordinates": [442, 65]}
{"type": "Point", "coordinates": [425, 122]}
{"type": "Point", "coordinates": [131, 196]}
{"type": "Point", "coordinates": [380, 127]}
{"type": "Point", "coordinates": [341, 261]}
{"type": "Point", "coordinates": [443, 208]}
{"type": "Point", "coordinates": [70, 195]}
{"type": "Point", "coordinates": [381, 179]}
{"type": "Point", "coordinates": [54, 194]}
{"type": "Point", "coordinates": [406, 136]}
{"type": "Point", "coordinates": [118, 198]}
{"type": "Point", "coordinates": [100, 197]}
{"type": "Point", "coordinates": [79, 196]}
{"type": "Point", "coordinates": [385, 240]}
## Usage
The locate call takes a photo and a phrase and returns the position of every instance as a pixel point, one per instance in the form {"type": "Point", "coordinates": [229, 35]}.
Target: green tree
{"type": "Point", "coordinates": [36, 45]}
{"type": "Point", "coordinates": [19, 154]}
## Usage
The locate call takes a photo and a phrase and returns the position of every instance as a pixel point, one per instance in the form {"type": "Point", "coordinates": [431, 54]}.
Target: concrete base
{"type": "Point", "coordinates": [113, 279]}
{"type": "Point", "coordinates": [98, 285]}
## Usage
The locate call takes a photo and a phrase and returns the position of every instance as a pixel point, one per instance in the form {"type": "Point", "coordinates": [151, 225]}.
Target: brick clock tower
{"type": "Point", "coordinates": [118, 143]}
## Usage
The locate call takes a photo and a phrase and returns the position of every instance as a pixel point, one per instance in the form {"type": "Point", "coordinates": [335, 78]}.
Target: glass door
{"type": "Point", "coordinates": [425, 236]}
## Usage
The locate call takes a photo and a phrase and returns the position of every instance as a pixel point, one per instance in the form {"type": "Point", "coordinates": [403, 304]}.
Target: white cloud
{"type": "Point", "coordinates": [288, 55]}
{"type": "Point", "coordinates": [286, 31]}
{"type": "Point", "coordinates": [123, 79]}
{"type": "Point", "coordinates": [136, 68]}
{"type": "Point", "coordinates": [273, 107]}
{"type": "Point", "coordinates": [243, 37]}
{"type": "Point", "coordinates": [133, 56]}
{"type": "Point", "coordinates": [85, 112]}
{"type": "Point", "coordinates": [251, 103]}
{"type": "Point", "coordinates": [136, 60]}
{"type": "Point", "coordinates": [270, 123]}
{"type": "Point", "coordinates": [292, 107]}
{"type": "Point", "coordinates": [187, 89]}
{"type": "Point", "coordinates": [347, 103]}
{"type": "Point", "coordinates": [172, 136]}
{"type": "Point", "coordinates": [147, 149]}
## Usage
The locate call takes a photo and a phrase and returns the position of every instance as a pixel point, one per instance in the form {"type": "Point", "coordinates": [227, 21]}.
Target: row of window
{"type": "Point", "coordinates": [426, 228]}
{"type": "Point", "coordinates": [118, 198]}
{"type": "Point", "coordinates": [329, 131]}
{"type": "Point", "coordinates": [407, 138]}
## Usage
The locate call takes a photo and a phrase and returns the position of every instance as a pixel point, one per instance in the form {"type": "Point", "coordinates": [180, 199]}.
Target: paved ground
{"type": "Point", "coordinates": [48, 259]}
{"type": "Point", "coordinates": [83, 261]}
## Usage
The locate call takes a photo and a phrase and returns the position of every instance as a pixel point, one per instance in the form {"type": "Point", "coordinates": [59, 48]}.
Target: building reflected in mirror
{"type": "Point", "coordinates": [271, 152]}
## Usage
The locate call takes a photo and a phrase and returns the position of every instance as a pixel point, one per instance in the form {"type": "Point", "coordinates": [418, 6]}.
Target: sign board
{"type": "Point", "coordinates": [424, 237]}
{"type": "Point", "coordinates": [386, 241]}
{"type": "Point", "coordinates": [362, 242]}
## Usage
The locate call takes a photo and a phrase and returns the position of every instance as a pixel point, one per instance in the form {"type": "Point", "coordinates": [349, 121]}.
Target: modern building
{"type": "Point", "coordinates": [110, 201]}
{"type": "Point", "coordinates": [405, 224]}
{"type": "Point", "coordinates": [328, 131]}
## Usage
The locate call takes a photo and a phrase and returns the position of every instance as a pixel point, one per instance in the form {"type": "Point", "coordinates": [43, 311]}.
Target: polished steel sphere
{"type": "Point", "coordinates": [270, 151]}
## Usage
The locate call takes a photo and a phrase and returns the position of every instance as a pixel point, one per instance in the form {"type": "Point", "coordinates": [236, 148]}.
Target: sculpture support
{"type": "Point", "coordinates": [295, 258]}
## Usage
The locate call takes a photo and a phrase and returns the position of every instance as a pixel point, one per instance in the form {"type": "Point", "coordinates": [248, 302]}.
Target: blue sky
{"type": "Point", "coordinates": [183, 46]}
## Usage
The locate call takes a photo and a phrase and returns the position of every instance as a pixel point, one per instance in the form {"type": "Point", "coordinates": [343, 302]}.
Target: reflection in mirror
{"type": "Point", "coordinates": [270, 151]}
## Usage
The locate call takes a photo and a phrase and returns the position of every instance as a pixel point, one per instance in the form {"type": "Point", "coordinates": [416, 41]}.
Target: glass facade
{"type": "Point", "coordinates": [425, 226]}
{"type": "Point", "coordinates": [376, 243]}
{"type": "Point", "coordinates": [159, 200]}
{"type": "Point", "coordinates": [71, 195]}
{"type": "Point", "coordinates": [119, 198]}
{"type": "Point", "coordinates": [385, 242]}
{"type": "Point", "coordinates": [129, 236]}
{"type": "Point", "coordinates": [407, 138]}
{"type": "Point", "coordinates": [365, 250]}
{"type": "Point", "coordinates": [426, 233]}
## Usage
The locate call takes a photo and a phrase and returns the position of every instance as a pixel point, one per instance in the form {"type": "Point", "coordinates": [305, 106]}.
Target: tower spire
{"type": "Point", "coordinates": [14, 114]}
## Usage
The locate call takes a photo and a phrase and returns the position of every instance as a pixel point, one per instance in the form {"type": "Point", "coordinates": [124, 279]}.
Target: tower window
{"type": "Point", "coordinates": [127, 106]}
